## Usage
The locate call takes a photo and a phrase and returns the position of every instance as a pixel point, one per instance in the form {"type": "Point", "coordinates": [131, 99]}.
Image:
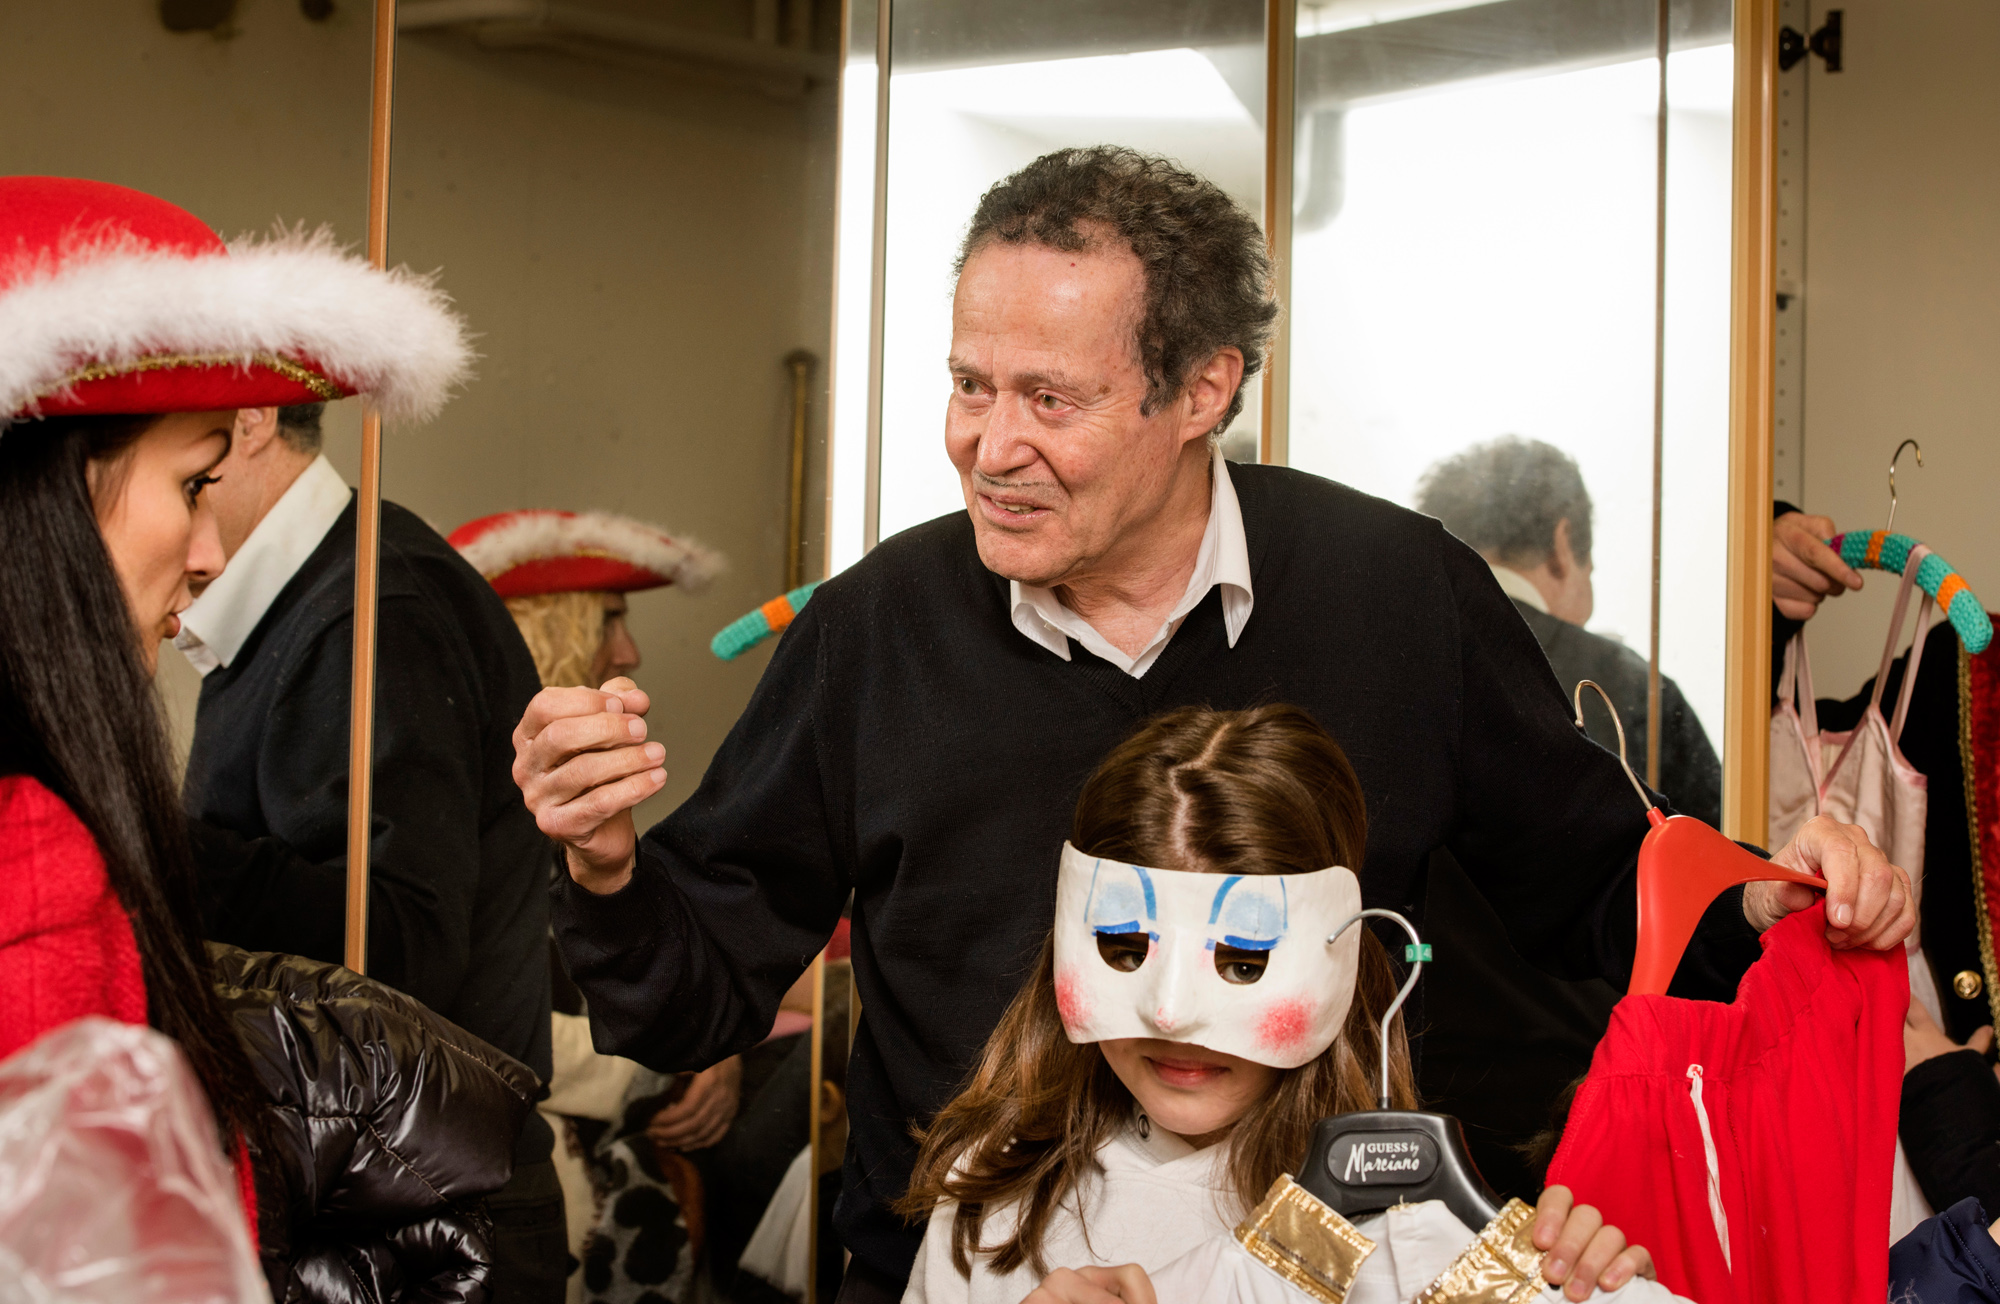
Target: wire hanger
{"type": "Point", "coordinates": [1885, 550]}
{"type": "Point", "coordinates": [1362, 1163]}
{"type": "Point", "coordinates": [1576, 700]}
{"type": "Point", "coordinates": [1895, 458]}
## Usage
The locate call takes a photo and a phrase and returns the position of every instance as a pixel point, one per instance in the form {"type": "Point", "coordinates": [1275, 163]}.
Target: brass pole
{"type": "Point", "coordinates": [817, 1075]}
{"type": "Point", "coordinates": [1281, 25]}
{"type": "Point", "coordinates": [1746, 738]}
{"type": "Point", "coordinates": [801, 363]}
{"type": "Point", "coordinates": [1662, 43]}
{"type": "Point", "coordinates": [368, 521]}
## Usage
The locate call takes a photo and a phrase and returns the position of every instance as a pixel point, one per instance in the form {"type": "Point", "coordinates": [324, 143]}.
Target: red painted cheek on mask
{"type": "Point", "coordinates": [1284, 1025]}
{"type": "Point", "coordinates": [1071, 1002]}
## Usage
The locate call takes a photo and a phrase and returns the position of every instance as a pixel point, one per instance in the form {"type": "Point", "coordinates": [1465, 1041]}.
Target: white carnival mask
{"type": "Point", "coordinates": [1238, 963]}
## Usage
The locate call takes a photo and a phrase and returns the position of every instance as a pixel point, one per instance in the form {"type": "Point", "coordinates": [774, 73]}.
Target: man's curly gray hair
{"type": "Point", "coordinates": [1208, 275]}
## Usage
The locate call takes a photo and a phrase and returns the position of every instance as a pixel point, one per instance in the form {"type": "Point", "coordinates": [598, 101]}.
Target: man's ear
{"type": "Point", "coordinates": [1562, 557]}
{"type": "Point", "coordinates": [1211, 389]}
{"type": "Point", "coordinates": [255, 429]}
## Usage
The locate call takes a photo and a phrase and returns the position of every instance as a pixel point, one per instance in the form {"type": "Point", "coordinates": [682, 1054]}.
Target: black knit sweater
{"type": "Point", "coordinates": [908, 744]}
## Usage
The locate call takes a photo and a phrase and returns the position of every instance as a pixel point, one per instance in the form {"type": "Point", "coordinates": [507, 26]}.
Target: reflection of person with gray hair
{"type": "Point", "coordinates": [1505, 1039]}
{"type": "Point", "coordinates": [1521, 504]}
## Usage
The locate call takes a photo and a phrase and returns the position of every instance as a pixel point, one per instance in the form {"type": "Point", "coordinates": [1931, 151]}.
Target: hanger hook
{"type": "Point", "coordinates": [1416, 969]}
{"type": "Point", "coordinates": [1907, 443]}
{"type": "Point", "coordinates": [1576, 700]}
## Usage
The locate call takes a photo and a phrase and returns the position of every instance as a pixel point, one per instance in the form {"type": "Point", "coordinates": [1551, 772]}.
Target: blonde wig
{"type": "Point", "coordinates": [563, 632]}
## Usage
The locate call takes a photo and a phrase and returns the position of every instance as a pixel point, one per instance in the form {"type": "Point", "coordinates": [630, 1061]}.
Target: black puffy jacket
{"type": "Point", "coordinates": [388, 1125]}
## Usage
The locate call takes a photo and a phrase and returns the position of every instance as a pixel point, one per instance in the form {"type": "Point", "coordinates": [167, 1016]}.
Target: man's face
{"type": "Point", "coordinates": [238, 496]}
{"type": "Point", "coordinates": [1057, 462]}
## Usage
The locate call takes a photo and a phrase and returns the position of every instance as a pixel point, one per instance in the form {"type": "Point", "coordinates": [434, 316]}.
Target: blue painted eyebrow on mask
{"type": "Point", "coordinates": [1122, 898]}
{"type": "Point", "coordinates": [1249, 943]}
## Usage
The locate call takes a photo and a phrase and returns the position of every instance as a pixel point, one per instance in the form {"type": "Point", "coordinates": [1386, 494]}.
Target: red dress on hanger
{"type": "Point", "coordinates": [1749, 1145]}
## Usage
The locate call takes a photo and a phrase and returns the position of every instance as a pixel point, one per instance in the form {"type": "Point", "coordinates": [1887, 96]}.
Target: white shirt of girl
{"type": "Point", "coordinates": [1171, 1209]}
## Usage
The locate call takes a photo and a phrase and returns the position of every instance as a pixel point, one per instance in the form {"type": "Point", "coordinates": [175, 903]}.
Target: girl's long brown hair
{"type": "Point", "coordinates": [1264, 791]}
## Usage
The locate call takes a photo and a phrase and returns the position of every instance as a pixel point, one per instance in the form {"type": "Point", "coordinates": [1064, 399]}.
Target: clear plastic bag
{"type": "Point", "coordinates": [113, 1187]}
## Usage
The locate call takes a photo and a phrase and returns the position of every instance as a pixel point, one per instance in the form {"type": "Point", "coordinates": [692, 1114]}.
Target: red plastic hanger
{"type": "Point", "coordinates": [1683, 866]}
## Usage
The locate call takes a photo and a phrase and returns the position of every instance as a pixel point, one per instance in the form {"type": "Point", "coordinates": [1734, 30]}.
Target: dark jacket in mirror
{"type": "Point", "coordinates": [1690, 771]}
{"type": "Point", "coordinates": [456, 915]}
{"type": "Point", "coordinates": [458, 907]}
{"type": "Point", "coordinates": [388, 1124]}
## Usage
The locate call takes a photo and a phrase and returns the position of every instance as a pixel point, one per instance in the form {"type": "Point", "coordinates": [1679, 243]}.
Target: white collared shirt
{"type": "Point", "coordinates": [1224, 559]}
{"type": "Point", "coordinates": [1519, 587]}
{"type": "Point", "coordinates": [215, 628]}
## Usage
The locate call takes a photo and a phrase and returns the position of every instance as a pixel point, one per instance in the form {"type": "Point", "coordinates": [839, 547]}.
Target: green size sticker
{"type": "Point", "coordinates": [1415, 952]}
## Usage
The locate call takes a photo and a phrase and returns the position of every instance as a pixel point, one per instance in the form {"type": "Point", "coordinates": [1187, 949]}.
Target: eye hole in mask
{"type": "Point", "coordinates": [1124, 952]}
{"type": "Point", "coordinates": [1241, 966]}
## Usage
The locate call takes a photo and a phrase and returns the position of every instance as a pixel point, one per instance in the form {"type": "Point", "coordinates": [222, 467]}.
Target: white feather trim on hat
{"type": "Point", "coordinates": [392, 334]}
{"type": "Point", "coordinates": [542, 536]}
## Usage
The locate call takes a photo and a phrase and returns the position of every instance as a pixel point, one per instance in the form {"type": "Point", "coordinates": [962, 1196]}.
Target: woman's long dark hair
{"type": "Point", "coordinates": [79, 713]}
{"type": "Point", "coordinates": [1263, 791]}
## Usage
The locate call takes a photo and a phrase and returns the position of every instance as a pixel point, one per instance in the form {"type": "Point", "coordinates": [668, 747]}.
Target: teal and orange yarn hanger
{"type": "Point", "coordinates": [1885, 550]}
{"type": "Point", "coordinates": [747, 631]}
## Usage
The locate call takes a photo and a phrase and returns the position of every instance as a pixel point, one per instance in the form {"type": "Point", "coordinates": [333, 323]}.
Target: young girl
{"type": "Point", "coordinates": [1185, 1029]}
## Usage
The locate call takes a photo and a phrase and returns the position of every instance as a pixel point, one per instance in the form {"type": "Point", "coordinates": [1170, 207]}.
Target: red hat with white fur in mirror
{"type": "Point", "coordinates": [527, 553]}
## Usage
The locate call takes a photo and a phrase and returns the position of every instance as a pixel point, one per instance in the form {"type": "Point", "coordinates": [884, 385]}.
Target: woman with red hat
{"type": "Point", "coordinates": [564, 577]}
{"type": "Point", "coordinates": [130, 335]}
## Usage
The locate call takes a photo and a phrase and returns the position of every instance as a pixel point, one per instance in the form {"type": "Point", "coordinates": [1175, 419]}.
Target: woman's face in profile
{"type": "Point", "coordinates": [159, 531]}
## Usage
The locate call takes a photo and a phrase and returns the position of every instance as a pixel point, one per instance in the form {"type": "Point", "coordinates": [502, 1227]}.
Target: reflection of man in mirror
{"type": "Point", "coordinates": [1521, 504]}
{"type": "Point", "coordinates": [920, 735]}
{"type": "Point", "coordinates": [458, 917]}
{"type": "Point", "coordinates": [566, 577]}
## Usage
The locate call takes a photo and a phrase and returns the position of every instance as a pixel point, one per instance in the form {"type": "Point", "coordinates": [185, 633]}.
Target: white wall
{"type": "Point", "coordinates": [1902, 299]}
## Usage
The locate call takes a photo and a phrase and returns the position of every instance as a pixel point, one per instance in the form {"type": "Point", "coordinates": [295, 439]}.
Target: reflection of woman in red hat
{"type": "Point", "coordinates": [565, 575]}
{"type": "Point", "coordinates": [129, 337]}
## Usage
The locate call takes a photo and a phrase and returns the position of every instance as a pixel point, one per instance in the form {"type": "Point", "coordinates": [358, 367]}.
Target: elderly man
{"type": "Point", "coordinates": [920, 735]}
{"type": "Point", "coordinates": [1522, 505]}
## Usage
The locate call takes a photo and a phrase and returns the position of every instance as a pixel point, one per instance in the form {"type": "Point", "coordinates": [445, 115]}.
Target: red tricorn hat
{"type": "Point", "coordinates": [523, 554]}
{"type": "Point", "coordinates": [113, 301]}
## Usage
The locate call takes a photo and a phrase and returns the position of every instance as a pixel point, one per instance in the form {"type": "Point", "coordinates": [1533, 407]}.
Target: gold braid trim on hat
{"type": "Point", "coordinates": [1304, 1242]}
{"type": "Point", "coordinates": [312, 380]}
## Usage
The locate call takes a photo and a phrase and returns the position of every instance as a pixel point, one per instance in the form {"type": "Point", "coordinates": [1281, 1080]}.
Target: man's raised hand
{"type": "Point", "coordinates": [582, 763]}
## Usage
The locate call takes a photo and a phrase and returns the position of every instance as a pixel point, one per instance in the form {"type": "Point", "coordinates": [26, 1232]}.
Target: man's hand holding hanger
{"type": "Point", "coordinates": [1804, 571]}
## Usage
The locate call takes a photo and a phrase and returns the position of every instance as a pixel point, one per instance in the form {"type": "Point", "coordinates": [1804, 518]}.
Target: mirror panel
{"type": "Point", "coordinates": [977, 91]}
{"type": "Point", "coordinates": [1474, 256]}
{"type": "Point", "coordinates": [631, 202]}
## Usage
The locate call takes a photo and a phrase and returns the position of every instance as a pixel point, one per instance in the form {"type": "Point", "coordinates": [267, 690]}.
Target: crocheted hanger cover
{"type": "Point", "coordinates": [747, 631]}
{"type": "Point", "coordinates": [1883, 551]}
